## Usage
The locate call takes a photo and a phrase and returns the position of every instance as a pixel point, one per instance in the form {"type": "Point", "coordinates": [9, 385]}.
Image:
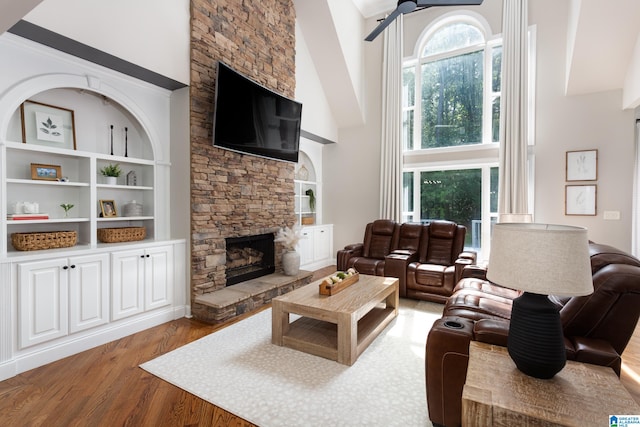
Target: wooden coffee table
{"type": "Point", "coordinates": [338, 327]}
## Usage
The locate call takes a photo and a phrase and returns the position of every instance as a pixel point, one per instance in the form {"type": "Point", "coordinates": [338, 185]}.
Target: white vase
{"type": "Point", "coordinates": [291, 263]}
{"type": "Point", "coordinates": [111, 180]}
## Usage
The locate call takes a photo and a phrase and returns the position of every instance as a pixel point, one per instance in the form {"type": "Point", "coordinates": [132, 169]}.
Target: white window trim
{"type": "Point", "coordinates": [484, 155]}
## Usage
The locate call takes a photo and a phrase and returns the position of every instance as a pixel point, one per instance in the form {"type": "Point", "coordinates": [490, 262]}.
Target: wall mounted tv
{"type": "Point", "coordinates": [249, 118]}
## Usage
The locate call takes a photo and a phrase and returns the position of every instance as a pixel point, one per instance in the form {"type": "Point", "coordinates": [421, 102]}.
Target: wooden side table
{"type": "Point", "coordinates": [496, 393]}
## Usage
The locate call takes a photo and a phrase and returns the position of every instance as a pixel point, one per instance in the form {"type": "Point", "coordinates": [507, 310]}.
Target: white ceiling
{"type": "Point", "coordinates": [602, 36]}
{"type": "Point", "coordinates": [13, 11]}
{"type": "Point", "coordinates": [369, 8]}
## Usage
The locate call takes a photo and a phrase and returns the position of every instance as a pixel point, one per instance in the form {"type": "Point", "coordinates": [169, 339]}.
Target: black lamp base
{"type": "Point", "coordinates": [536, 341]}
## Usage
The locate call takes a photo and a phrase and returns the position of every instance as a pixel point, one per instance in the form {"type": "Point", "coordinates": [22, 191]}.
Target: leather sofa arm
{"type": "Point", "coordinates": [472, 255]}
{"type": "Point", "coordinates": [349, 251]}
{"type": "Point", "coordinates": [491, 331]}
{"type": "Point", "coordinates": [474, 272]}
{"type": "Point", "coordinates": [460, 265]}
{"type": "Point", "coordinates": [446, 361]}
{"type": "Point", "coordinates": [594, 351]}
{"type": "Point", "coordinates": [396, 264]}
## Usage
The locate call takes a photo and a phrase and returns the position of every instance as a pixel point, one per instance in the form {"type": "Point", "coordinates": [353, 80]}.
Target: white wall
{"type": "Point", "coordinates": [153, 34]}
{"type": "Point", "coordinates": [352, 166]}
{"type": "Point", "coordinates": [594, 121]}
{"type": "Point", "coordinates": [317, 117]}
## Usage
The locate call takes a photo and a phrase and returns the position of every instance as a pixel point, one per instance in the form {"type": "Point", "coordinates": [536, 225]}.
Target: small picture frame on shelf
{"type": "Point", "coordinates": [44, 124]}
{"type": "Point", "coordinates": [580, 200]}
{"type": "Point", "coordinates": [46, 172]}
{"type": "Point", "coordinates": [108, 208]}
{"type": "Point", "coordinates": [582, 165]}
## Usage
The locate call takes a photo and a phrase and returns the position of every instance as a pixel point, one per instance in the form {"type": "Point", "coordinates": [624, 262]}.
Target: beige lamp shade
{"type": "Point", "coordinates": [541, 258]}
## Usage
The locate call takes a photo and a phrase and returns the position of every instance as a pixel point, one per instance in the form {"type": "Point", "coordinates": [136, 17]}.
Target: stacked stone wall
{"type": "Point", "coordinates": [235, 194]}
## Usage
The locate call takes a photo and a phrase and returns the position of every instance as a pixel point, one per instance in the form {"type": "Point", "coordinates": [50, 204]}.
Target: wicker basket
{"type": "Point", "coordinates": [43, 240]}
{"type": "Point", "coordinates": [123, 234]}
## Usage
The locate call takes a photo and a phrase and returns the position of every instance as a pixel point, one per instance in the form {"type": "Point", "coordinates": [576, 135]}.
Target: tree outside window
{"type": "Point", "coordinates": [451, 98]}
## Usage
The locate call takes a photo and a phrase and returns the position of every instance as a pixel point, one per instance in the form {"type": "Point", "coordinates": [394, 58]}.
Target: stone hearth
{"type": "Point", "coordinates": [224, 304]}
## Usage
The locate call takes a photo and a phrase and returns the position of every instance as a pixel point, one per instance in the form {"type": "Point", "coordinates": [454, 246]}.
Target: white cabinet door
{"type": "Point", "coordinates": [88, 291]}
{"type": "Point", "coordinates": [322, 243]}
{"type": "Point", "coordinates": [158, 267]}
{"type": "Point", "coordinates": [127, 283]}
{"type": "Point", "coordinates": [43, 301]}
{"type": "Point", "coordinates": [142, 280]}
{"type": "Point", "coordinates": [305, 246]}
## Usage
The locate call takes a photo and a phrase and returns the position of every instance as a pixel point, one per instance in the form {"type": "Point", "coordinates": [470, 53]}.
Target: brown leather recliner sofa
{"type": "Point", "coordinates": [597, 327]}
{"type": "Point", "coordinates": [428, 259]}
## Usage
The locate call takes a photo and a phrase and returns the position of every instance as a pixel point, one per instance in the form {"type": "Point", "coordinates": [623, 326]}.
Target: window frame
{"type": "Point", "coordinates": [483, 155]}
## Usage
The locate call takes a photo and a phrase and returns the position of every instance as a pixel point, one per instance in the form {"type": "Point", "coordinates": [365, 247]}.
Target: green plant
{"type": "Point", "coordinates": [66, 207]}
{"type": "Point", "coordinates": [312, 199]}
{"type": "Point", "coordinates": [111, 170]}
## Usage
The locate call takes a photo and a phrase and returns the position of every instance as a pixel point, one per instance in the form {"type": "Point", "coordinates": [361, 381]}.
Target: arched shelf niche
{"type": "Point", "coordinates": [307, 191]}
{"type": "Point", "coordinates": [96, 107]}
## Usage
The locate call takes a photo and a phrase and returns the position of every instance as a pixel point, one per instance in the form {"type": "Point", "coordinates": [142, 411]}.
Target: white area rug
{"type": "Point", "coordinates": [239, 370]}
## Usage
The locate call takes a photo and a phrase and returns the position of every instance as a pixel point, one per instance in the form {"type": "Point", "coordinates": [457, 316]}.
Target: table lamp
{"type": "Point", "coordinates": [541, 260]}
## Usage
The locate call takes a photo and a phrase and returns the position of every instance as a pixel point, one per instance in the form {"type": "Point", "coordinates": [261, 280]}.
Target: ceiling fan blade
{"type": "Point", "coordinates": [449, 2]}
{"type": "Point", "coordinates": [384, 24]}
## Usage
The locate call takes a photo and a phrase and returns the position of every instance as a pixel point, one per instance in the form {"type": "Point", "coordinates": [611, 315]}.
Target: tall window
{"type": "Point", "coordinates": [451, 114]}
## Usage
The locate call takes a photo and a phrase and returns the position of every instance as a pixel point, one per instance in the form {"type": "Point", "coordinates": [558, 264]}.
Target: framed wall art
{"type": "Point", "coordinates": [46, 172]}
{"type": "Point", "coordinates": [108, 208]}
{"type": "Point", "coordinates": [582, 165]}
{"type": "Point", "coordinates": [45, 124]}
{"type": "Point", "coordinates": [580, 200]}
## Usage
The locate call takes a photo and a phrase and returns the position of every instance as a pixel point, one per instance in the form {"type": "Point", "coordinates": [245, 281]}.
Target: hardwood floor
{"type": "Point", "coordinates": [105, 387]}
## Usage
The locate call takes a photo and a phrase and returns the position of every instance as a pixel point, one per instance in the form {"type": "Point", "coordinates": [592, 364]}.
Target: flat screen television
{"type": "Point", "coordinates": [249, 118]}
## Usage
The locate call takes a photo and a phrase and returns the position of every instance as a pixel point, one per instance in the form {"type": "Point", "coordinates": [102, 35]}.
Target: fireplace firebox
{"type": "Point", "coordinates": [249, 257]}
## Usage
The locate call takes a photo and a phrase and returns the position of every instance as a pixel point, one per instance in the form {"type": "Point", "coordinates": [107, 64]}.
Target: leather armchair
{"type": "Point", "coordinates": [597, 327]}
{"type": "Point", "coordinates": [380, 238]}
{"type": "Point", "coordinates": [440, 262]}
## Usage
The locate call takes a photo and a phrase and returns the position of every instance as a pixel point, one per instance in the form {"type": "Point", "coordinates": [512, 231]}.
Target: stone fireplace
{"type": "Point", "coordinates": [249, 257]}
{"type": "Point", "coordinates": [232, 194]}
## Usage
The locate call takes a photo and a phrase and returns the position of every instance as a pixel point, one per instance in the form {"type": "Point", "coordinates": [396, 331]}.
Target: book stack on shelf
{"type": "Point", "coordinates": [27, 216]}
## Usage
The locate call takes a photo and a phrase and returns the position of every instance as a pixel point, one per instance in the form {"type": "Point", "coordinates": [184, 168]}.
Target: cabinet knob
{"type": "Point", "coordinates": [73, 266]}
{"type": "Point", "coordinates": [142, 256]}
{"type": "Point", "coordinates": [65, 267]}
{"type": "Point", "coordinates": [147, 255]}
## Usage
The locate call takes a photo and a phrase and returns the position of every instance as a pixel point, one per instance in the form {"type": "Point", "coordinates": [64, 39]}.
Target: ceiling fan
{"type": "Point", "coordinates": [408, 6]}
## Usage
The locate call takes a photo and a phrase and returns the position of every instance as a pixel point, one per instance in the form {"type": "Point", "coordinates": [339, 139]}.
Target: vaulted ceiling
{"type": "Point", "coordinates": [603, 52]}
{"type": "Point", "coordinates": [602, 36]}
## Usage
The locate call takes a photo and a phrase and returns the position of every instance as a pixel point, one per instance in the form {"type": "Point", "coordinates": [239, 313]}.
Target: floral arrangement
{"type": "Point", "coordinates": [289, 237]}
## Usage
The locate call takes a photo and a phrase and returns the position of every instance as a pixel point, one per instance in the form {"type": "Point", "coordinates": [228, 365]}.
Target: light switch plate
{"type": "Point", "coordinates": [613, 215]}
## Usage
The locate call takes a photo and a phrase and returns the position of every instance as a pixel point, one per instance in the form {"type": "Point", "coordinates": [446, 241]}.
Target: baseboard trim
{"type": "Point", "coordinates": [45, 353]}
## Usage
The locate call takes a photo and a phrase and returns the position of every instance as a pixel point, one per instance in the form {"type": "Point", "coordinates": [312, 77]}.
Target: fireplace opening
{"type": "Point", "coordinates": [249, 257]}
